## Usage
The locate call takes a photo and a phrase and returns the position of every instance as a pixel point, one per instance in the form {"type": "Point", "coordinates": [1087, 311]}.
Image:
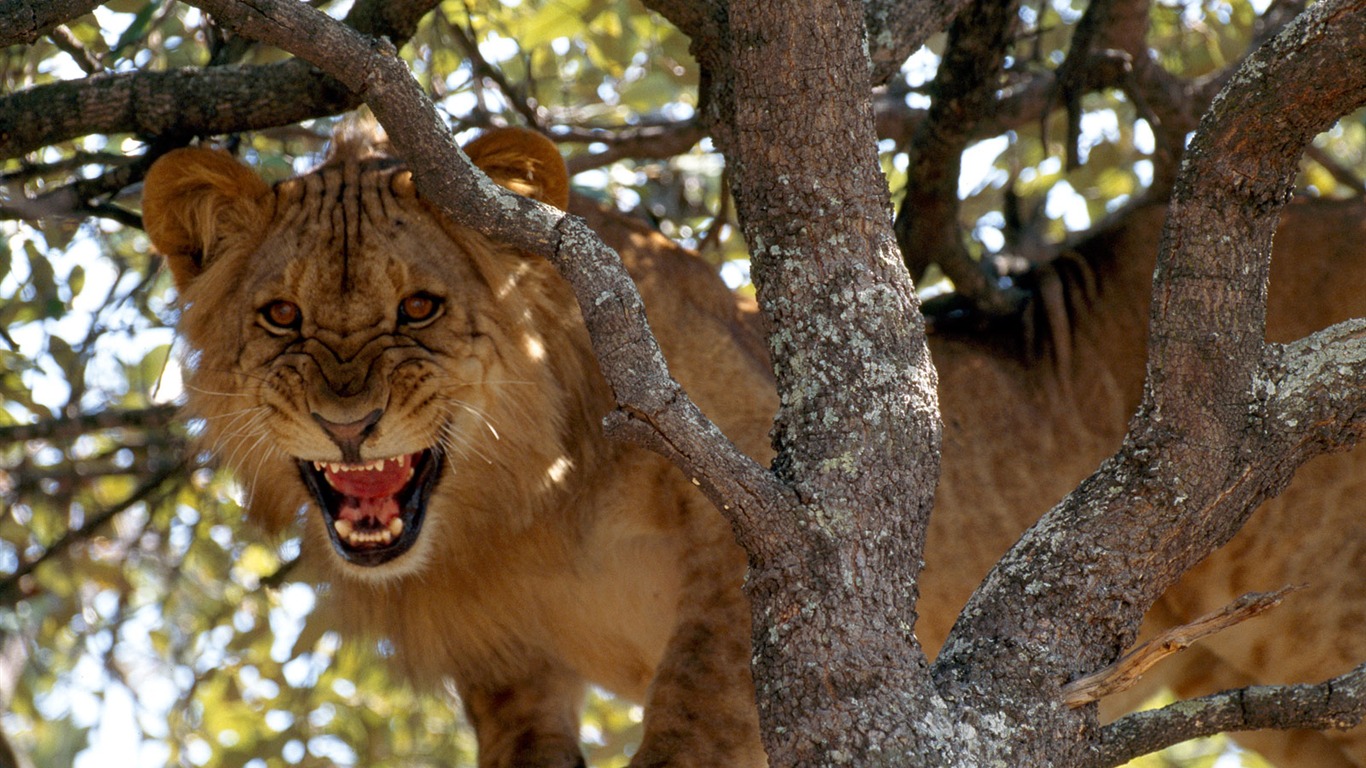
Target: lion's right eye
{"type": "Point", "coordinates": [281, 316]}
{"type": "Point", "coordinates": [419, 309]}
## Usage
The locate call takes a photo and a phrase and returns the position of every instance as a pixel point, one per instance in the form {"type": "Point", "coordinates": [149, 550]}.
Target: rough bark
{"type": "Point", "coordinates": [22, 22]}
{"type": "Point", "coordinates": [1225, 418]}
{"type": "Point", "coordinates": [895, 29]}
{"type": "Point", "coordinates": [837, 454]}
{"type": "Point", "coordinates": [1335, 703]}
{"type": "Point", "coordinates": [840, 676]}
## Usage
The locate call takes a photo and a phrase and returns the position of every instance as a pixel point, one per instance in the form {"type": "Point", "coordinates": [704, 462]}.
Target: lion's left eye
{"type": "Point", "coordinates": [419, 309]}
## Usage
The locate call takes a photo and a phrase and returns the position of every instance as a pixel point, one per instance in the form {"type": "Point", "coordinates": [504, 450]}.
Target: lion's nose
{"type": "Point", "coordinates": [350, 435]}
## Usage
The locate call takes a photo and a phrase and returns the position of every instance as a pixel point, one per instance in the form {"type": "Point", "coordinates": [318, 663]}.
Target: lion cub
{"type": "Point", "coordinates": [429, 399]}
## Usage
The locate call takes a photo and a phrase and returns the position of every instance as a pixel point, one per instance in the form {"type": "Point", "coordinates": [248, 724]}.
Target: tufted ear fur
{"type": "Point", "coordinates": [197, 201]}
{"type": "Point", "coordinates": [523, 161]}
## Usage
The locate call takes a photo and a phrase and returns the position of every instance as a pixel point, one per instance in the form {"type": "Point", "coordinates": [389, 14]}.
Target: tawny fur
{"type": "Point", "coordinates": [552, 557]}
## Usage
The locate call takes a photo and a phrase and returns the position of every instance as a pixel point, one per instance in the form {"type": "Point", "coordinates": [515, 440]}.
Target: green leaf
{"type": "Point", "coordinates": [136, 30]}
{"type": "Point", "coordinates": [6, 258]}
{"type": "Point", "coordinates": [75, 280]}
{"type": "Point", "coordinates": [560, 18]}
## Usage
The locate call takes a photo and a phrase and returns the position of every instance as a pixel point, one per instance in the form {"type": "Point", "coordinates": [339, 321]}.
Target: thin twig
{"type": "Point", "coordinates": [1340, 173]}
{"type": "Point", "coordinates": [480, 68]}
{"type": "Point", "coordinates": [655, 142]}
{"type": "Point", "coordinates": [1129, 669]}
{"type": "Point", "coordinates": [63, 39]}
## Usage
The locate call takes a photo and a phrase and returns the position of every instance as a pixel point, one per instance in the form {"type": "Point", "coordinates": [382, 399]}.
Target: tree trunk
{"type": "Point", "coordinates": [841, 678]}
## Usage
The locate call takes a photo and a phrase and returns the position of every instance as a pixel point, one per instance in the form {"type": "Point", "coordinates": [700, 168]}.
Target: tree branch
{"type": "Point", "coordinates": [1129, 669]}
{"type": "Point", "coordinates": [660, 141]}
{"type": "Point", "coordinates": [481, 68]}
{"type": "Point", "coordinates": [71, 427]}
{"type": "Point", "coordinates": [896, 28]}
{"type": "Point", "coordinates": [1074, 71]}
{"type": "Point", "coordinates": [12, 584]}
{"type": "Point", "coordinates": [1204, 448]}
{"type": "Point", "coordinates": [1209, 301]}
{"type": "Point", "coordinates": [1023, 101]}
{"type": "Point", "coordinates": [857, 433]}
{"type": "Point", "coordinates": [192, 102]}
{"type": "Point", "coordinates": [1340, 173]}
{"type": "Point", "coordinates": [1315, 401]}
{"type": "Point", "coordinates": [1337, 703]}
{"type": "Point", "coordinates": [694, 18]}
{"type": "Point", "coordinates": [927, 226]}
{"type": "Point", "coordinates": [63, 39]}
{"type": "Point", "coordinates": [24, 21]}
{"type": "Point", "coordinates": [86, 197]}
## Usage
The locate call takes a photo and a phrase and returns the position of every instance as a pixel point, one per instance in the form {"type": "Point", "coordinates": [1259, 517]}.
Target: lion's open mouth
{"type": "Point", "coordinates": [373, 510]}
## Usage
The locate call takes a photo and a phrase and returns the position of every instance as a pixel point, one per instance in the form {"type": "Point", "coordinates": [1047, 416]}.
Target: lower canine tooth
{"type": "Point", "coordinates": [396, 526]}
{"type": "Point", "coordinates": [344, 528]}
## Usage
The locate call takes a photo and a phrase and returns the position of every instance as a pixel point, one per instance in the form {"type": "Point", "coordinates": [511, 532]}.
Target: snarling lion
{"type": "Point", "coordinates": [431, 398]}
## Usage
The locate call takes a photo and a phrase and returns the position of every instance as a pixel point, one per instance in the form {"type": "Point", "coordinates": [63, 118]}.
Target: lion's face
{"type": "Point", "coordinates": [350, 349]}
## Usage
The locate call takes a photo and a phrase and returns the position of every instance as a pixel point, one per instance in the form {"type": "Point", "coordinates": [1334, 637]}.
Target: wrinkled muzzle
{"type": "Point", "coordinates": [372, 509]}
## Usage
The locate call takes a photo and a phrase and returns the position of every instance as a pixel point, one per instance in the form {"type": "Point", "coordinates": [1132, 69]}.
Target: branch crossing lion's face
{"type": "Point", "coordinates": [351, 353]}
{"type": "Point", "coordinates": [360, 361]}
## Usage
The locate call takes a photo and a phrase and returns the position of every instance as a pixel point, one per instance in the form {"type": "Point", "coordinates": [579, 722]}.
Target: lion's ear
{"type": "Point", "coordinates": [523, 161]}
{"type": "Point", "coordinates": [197, 201]}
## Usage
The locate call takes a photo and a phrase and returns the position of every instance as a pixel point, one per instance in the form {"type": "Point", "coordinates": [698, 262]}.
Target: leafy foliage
{"type": "Point", "coordinates": [137, 613]}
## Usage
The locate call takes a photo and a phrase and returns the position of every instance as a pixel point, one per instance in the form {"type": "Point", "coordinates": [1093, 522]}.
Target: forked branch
{"type": "Point", "coordinates": [1210, 441]}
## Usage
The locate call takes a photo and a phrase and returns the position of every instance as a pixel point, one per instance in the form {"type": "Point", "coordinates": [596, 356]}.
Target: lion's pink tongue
{"type": "Point", "coordinates": [370, 492]}
{"type": "Point", "coordinates": [371, 483]}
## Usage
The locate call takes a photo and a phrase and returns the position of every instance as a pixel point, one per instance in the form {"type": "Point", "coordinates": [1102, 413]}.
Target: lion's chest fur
{"type": "Point", "coordinates": [594, 585]}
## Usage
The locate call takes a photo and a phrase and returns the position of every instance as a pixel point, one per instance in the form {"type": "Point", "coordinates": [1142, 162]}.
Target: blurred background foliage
{"type": "Point", "coordinates": [140, 622]}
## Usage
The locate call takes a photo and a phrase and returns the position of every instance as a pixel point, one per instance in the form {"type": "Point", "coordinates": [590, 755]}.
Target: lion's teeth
{"type": "Point", "coordinates": [381, 536]}
{"type": "Point", "coordinates": [377, 465]}
{"type": "Point", "coordinates": [347, 531]}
